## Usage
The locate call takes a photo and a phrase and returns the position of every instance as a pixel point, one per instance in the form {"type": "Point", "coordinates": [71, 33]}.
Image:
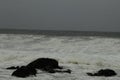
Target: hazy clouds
{"type": "Point", "coordinates": [61, 14]}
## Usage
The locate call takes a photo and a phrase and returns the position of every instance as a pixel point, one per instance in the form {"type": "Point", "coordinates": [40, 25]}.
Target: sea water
{"type": "Point", "coordinates": [81, 54]}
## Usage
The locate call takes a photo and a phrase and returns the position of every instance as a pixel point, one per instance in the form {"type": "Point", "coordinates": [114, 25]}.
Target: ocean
{"type": "Point", "coordinates": [81, 54]}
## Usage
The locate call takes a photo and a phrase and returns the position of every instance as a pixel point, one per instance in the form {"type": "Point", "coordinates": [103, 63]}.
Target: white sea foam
{"type": "Point", "coordinates": [79, 53]}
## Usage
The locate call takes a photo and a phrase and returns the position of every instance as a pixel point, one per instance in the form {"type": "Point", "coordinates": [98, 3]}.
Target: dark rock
{"type": "Point", "coordinates": [24, 72]}
{"type": "Point", "coordinates": [44, 64]}
{"type": "Point", "coordinates": [47, 64]}
{"type": "Point", "coordinates": [64, 71]}
{"type": "Point", "coordinates": [103, 72]}
{"type": "Point", "coordinates": [13, 67]}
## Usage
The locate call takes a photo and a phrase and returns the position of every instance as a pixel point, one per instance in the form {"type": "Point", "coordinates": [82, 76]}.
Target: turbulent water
{"type": "Point", "coordinates": [81, 54]}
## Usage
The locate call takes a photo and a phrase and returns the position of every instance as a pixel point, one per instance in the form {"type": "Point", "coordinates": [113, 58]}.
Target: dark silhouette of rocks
{"type": "Point", "coordinates": [45, 64]}
{"type": "Point", "coordinates": [24, 71]}
{"type": "Point", "coordinates": [13, 67]}
{"type": "Point", "coordinates": [103, 72]}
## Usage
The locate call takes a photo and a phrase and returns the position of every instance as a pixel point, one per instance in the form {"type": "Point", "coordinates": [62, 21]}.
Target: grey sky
{"type": "Point", "coordinates": [94, 15]}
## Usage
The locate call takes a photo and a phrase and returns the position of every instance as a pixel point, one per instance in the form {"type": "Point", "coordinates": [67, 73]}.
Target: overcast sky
{"type": "Point", "coordinates": [92, 15]}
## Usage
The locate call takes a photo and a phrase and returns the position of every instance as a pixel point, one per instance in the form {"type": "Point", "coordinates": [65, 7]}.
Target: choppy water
{"type": "Point", "coordinates": [80, 53]}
